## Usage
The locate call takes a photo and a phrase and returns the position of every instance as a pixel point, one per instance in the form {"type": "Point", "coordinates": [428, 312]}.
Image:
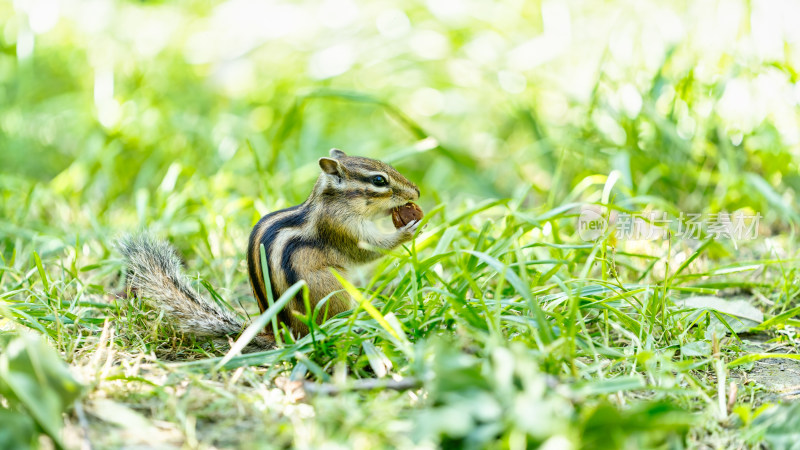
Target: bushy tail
{"type": "Point", "coordinates": [155, 273]}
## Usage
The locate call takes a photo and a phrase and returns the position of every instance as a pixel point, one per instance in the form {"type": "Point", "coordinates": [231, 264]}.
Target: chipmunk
{"type": "Point", "coordinates": [332, 229]}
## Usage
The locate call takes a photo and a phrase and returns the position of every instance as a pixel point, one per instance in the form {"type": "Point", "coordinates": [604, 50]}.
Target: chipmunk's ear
{"type": "Point", "coordinates": [336, 153]}
{"type": "Point", "coordinates": [330, 166]}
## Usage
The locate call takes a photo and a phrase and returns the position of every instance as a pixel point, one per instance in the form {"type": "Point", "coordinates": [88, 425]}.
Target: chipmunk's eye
{"type": "Point", "coordinates": [380, 180]}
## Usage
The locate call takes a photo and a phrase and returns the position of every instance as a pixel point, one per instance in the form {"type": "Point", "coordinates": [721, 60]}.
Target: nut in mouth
{"type": "Point", "coordinates": [409, 212]}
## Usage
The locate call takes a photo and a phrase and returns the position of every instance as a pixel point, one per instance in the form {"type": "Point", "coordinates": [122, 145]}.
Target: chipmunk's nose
{"type": "Point", "coordinates": [416, 189]}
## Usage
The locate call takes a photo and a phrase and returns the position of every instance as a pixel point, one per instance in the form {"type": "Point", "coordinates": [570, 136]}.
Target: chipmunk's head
{"type": "Point", "coordinates": [366, 186]}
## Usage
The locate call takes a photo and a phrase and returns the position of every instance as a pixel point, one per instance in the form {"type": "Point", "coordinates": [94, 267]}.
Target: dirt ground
{"type": "Point", "coordinates": [774, 379]}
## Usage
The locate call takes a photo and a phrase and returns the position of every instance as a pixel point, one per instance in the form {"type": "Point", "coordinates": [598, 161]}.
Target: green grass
{"type": "Point", "coordinates": [491, 336]}
{"type": "Point", "coordinates": [499, 327]}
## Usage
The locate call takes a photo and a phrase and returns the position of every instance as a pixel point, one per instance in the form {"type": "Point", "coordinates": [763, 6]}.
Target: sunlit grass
{"type": "Point", "coordinates": [475, 301]}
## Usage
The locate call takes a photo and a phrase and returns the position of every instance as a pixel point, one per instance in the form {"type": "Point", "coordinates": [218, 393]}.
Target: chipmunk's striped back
{"type": "Point", "coordinates": [268, 232]}
{"type": "Point", "coordinates": [331, 229]}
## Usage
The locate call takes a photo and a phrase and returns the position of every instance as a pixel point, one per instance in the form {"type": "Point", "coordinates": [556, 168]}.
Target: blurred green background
{"type": "Point", "coordinates": [108, 105]}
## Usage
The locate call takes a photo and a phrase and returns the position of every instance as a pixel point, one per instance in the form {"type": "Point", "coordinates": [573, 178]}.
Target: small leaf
{"type": "Point", "coordinates": [696, 348]}
{"type": "Point", "coordinates": [33, 377]}
{"type": "Point", "coordinates": [745, 315]}
{"type": "Point", "coordinates": [738, 308]}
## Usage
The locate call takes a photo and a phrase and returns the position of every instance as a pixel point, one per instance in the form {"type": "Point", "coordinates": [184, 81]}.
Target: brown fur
{"type": "Point", "coordinates": [332, 229]}
{"type": "Point", "coordinates": [155, 273]}
{"type": "Point", "coordinates": [335, 233]}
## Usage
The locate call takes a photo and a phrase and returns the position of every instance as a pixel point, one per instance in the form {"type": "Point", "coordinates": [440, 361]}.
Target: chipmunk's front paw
{"type": "Point", "coordinates": [409, 230]}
